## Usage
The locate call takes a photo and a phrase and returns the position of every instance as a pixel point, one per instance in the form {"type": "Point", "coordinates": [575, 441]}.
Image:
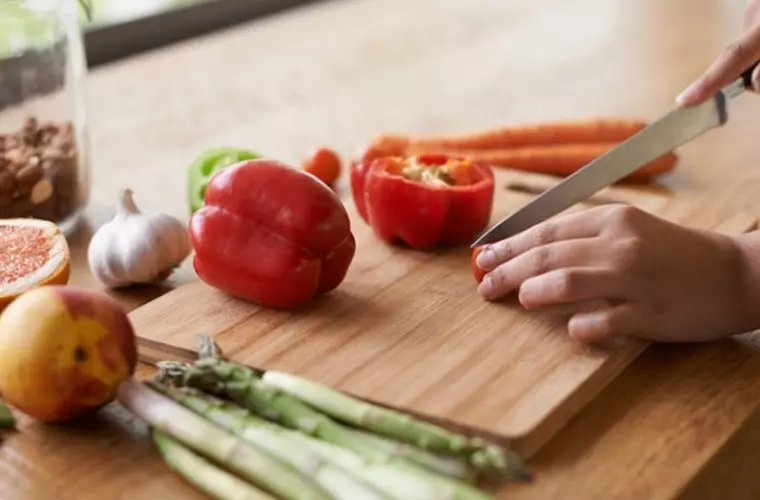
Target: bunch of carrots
{"type": "Point", "coordinates": [554, 148]}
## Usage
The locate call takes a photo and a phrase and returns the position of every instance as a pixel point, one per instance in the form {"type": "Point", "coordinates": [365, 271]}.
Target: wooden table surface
{"type": "Point", "coordinates": [681, 422]}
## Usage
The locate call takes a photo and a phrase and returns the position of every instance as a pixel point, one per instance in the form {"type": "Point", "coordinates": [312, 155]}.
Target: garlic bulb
{"type": "Point", "coordinates": [137, 248]}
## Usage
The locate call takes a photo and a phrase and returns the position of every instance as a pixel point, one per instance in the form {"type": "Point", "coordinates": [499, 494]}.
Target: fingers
{"type": "Point", "coordinates": [537, 261]}
{"type": "Point", "coordinates": [726, 68]}
{"type": "Point", "coordinates": [583, 224]}
{"type": "Point", "coordinates": [569, 285]}
{"type": "Point", "coordinates": [756, 79]}
{"type": "Point", "coordinates": [618, 321]}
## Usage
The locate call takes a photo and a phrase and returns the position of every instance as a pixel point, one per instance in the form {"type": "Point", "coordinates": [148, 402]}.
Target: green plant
{"type": "Point", "coordinates": [87, 8]}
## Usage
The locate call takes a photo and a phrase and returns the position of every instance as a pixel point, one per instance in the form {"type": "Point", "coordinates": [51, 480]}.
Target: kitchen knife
{"type": "Point", "coordinates": [662, 136]}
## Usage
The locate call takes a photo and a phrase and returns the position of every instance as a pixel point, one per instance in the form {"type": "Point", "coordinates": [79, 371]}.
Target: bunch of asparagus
{"type": "Point", "coordinates": [236, 433]}
{"type": "Point", "coordinates": [6, 417]}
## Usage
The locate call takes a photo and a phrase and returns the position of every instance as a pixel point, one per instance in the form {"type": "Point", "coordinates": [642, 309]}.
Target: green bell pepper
{"type": "Point", "coordinates": [6, 417]}
{"type": "Point", "coordinates": [206, 165]}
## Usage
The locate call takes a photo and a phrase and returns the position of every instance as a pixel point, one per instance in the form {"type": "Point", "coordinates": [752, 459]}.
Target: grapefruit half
{"type": "Point", "coordinates": [33, 253]}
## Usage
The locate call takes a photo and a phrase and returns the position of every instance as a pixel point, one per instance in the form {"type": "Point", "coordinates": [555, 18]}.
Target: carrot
{"type": "Point", "coordinates": [560, 160]}
{"type": "Point", "coordinates": [585, 131]}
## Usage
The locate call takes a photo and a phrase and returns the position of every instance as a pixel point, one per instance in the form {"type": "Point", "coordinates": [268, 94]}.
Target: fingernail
{"type": "Point", "coordinates": [581, 322]}
{"type": "Point", "coordinates": [486, 258]}
{"type": "Point", "coordinates": [486, 286]}
{"type": "Point", "coordinates": [687, 96]}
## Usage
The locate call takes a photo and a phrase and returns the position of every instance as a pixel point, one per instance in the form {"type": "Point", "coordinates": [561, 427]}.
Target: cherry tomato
{"type": "Point", "coordinates": [324, 164]}
{"type": "Point", "coordinates": [476, 271]}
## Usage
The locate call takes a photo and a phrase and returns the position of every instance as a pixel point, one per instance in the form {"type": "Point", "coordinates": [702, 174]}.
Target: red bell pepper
{"type": "Point", "coordinates": [271, 234]}
{"type": "Point", "coordinates": [424, 201]}
{"type": "Point", "coordinates": [358, 176]}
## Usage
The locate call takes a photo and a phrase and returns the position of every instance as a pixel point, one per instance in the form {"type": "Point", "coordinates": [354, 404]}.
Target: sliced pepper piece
{"type": "Point", "coordinates": [477, 272]}
{"type": "Point", "coordinates": [206, 165]}
{"type": "Point", "coordinates": [428, 200]}
{"type": "Point", "coordinates": [358, 175]}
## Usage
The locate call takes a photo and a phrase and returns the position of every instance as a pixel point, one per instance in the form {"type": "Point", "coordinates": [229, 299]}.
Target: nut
{"type": "Point", "coordinates": [41, 192]}
{"type": "Point", "coordinates": [39, 171]}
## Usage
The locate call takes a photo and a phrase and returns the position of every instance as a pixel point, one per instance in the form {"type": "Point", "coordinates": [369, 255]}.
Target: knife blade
{"type": "Point", "coordinates": [660, 137]}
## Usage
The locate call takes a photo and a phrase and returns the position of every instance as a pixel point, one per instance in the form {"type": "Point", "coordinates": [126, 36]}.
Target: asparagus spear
{"type": "Point", "coordinates": [215, 482]}
{"type": "Point", "coordinates": [396, 425]}
{"type": "Point", "coordinates": [456, 467]}
{"type": "Point", "coordinates": [206, 347]}
{"type": "Point", "coordinates": [453, 466]}
{"type": "Point", "coordinates": [374, 418]}
{"type": "Point", "coordinates": [241, 384]}
{"type": "Point", "coordinates": [6, 417]}
{"type": "Point", "coordinates": [361, 414]}
{"type": "Point", "coordinates": [408, 480]}
{"type": "Point", "coordinates": [381, 420]}
{"type": "Point", "coordinates": [396, 480]}
{"type": "Point", "coordinates": [209, 440]}
{"type": "Point", "coordinates": [337, 481]}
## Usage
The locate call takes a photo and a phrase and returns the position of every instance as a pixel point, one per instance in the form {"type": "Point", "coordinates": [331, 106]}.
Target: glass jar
{"type": "Point", "coordinates": [44, 157]}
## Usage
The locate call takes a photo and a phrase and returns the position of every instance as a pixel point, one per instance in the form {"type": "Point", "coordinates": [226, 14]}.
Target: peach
{"type": "Point", "coordinates": [64, 351]}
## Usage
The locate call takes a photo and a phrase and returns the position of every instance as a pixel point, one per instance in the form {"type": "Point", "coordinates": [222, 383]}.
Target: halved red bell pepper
{"type": "Point", "coordinates": [425, 201]}
{"type": "Point", "coordinates": [358, 175]}
{"type": "Point", "coordinates": [271, 234]}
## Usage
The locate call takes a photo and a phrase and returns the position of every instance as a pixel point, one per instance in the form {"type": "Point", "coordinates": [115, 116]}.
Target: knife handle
{"type": "Point", "coordinates": [747, 76]}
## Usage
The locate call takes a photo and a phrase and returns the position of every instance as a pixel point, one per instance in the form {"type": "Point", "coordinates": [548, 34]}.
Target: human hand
{"type": "Point", "coordinates": [734, 60]}
{"type": "Point", "coordinates": [660, 281]}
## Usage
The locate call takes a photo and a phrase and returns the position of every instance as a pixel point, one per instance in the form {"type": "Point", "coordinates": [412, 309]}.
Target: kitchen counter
{"type": "Point", "coordinates": [680, 423]}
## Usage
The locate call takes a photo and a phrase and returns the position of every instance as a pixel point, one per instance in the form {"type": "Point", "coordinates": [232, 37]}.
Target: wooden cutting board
{"type": "Point", "coordinates": [407, 329]}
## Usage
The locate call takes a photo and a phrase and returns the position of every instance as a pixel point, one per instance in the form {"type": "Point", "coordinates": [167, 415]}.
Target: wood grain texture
{"type": "Point", "coordinates": [408, 330]}
{"type": "Point", "coordinates": [645, 423]}
{"type": "Point", "coordinates": [680, 422]}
